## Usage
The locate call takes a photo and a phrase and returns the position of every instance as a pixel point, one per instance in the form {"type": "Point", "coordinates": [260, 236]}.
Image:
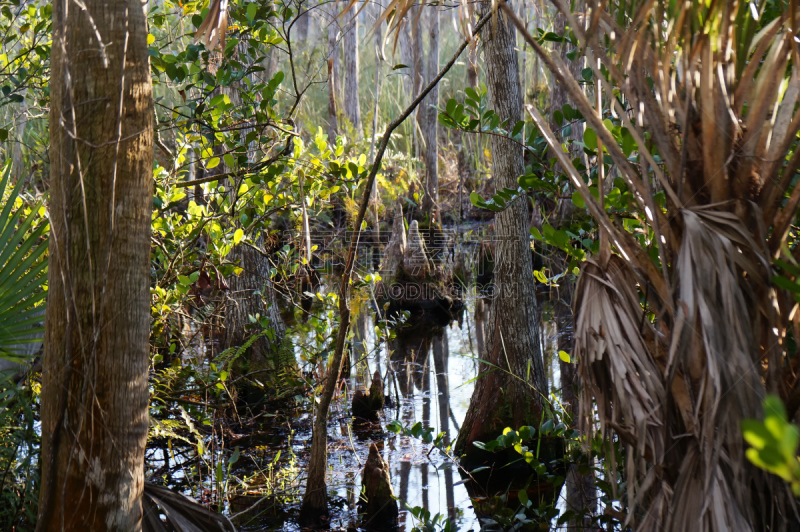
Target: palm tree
{"type": "Point", "coordinates": [708, 91]}
{"type": "Point", "coordinates": [94, 405]}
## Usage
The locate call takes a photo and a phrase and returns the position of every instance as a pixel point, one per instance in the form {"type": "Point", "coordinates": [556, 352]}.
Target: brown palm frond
{"type": "Point", "coordinates": [215, 26]}
{"type": "Point", "coordinates": [616, 353]}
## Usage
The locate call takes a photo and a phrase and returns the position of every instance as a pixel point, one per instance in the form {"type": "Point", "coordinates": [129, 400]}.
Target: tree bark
{"type": "Point", "coordinates": [430, 203]}
{"type": "Point", "coordinates": [301, 26]}
{"type": "Point", "coordinates": [251, 293]}
{"type": "Point", "coordinates": [334, 78]}
{"type": "Point", "coordinates": [94, 377]}
{"type": "Point", "coordinates": [352, 108]}
{"type": "Point", "coordinates": [512, 331]}
{"type": "Point", "coordinates": [418, 69]}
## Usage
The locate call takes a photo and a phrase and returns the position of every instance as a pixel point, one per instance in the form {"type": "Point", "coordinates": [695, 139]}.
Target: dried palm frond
{"type": "Point", "coordinates": [181, 514]}
{"type": "Point", "coordinates": [615, 348]}
{"type": "Point", "coordinates": [215, 26]}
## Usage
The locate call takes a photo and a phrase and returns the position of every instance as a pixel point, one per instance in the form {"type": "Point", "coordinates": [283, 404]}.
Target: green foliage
{"type": "Point", "coordinates": [23, 269]}
{"type": "Point", "coordinates": [773, 443]}
{"type": "Point", "coordinates": [424, 522]}
{"type": "Point", "coordinates": [19, 452]}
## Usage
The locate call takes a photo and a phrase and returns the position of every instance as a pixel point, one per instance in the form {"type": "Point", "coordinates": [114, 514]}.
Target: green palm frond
{"type": "Point", "coordinates": [23, 271]}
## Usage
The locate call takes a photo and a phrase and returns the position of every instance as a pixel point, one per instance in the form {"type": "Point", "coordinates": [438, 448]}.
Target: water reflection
{"type": "Point", "coordinates": [428, 373]}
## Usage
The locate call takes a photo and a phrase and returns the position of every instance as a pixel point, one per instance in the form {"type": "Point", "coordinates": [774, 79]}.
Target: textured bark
{"type": "Point", "coordinates": [94, 377]}
{"type": "Point", "coordinates": [244, 299]}
{"type": "Point", "coordinates": [512, 331]}
{"type": "Point", "coordinates": [378, 502]}
{"type": "Point", "coordinates": [430, 203]}
{"type": "Point", "coordinates": [352, 108]}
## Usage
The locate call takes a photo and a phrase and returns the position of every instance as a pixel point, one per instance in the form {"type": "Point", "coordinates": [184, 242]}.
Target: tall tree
{"type": "Point", "coordinates": [94, 389]}
{"type": "Point", "coordinates": [512, 331]}
{"type": "Point", "coordinates": [352, 107]}
{"type": "Point", "coordinates": [418, 73]}
{"type": "Point", "coordinates": [430, 202]}
{"type": "Point", "coordinates": [334, 77]}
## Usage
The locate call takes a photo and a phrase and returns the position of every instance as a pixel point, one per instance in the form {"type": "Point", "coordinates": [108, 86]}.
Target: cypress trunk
{"type": "Point", "coordinates": [94, 377]}
{"type": "Point", "coordinates": [352, 108]}
{"type": "Point", "coordinates": [430, 203]}
{"type": "Point", "coordinates": [333, 73]}
{"type": "Point", "coordinates": [512, 332]}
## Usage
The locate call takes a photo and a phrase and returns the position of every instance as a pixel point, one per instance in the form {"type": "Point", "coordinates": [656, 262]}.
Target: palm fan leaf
{"type": "Point", "coordinates": [180, 513]}
{"type": "Point", "coordinates": [616, 351]}
{"type": "Point", "coordinates": [23, 268]}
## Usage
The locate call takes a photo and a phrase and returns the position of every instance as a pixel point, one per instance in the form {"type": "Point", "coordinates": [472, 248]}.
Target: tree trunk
{"type": "Point", "coordinates": [244, 299]}
{"type": "Point", "coordinates": [94, 378]}
{"type": "Point", "coordinates": [512, 331]}
{"type": "Point", "coordinates": [430, 203]}
{"type": "Point", "coordinates": [352, 108]}
{"type": "Point", "coordinates": [376, 8]}
{"type": "Point", "coordinates": [418, 69]}
{"type": "Point", "coordinates": [301, 26]}
{"type": "Point", "coordinates": [333, 73]}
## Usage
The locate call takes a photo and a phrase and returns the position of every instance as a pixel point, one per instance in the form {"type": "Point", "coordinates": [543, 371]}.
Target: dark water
{"type": "Point", "coordinates": [428, 374]}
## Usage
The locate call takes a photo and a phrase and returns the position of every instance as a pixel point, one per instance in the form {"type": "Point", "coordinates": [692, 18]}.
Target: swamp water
{"type": "Point", "coordinates": [428, 378]}
{"type": "Point", "coordinates": [253, 466]}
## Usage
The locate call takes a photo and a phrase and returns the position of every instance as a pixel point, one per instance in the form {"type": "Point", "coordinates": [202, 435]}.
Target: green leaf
{"type": "Point", "coordinates": [237, 236]}
{"type": "Point", "coordinates": [536, 234]}
{"type": "Point", "coordinates": [477, 200]}
{"type": "Point", "coordinates": [558, 117]}
{"type": "Point", "coordinates": [590, 138]}
{"type": "Point", "coordinates": [235, 456]}
{"type": "Point", "coordinates": [577, 199]}
{"type": "Point", "coordinates": [787, 284]}
{"type": "Point", "coordinates": [212, 163]}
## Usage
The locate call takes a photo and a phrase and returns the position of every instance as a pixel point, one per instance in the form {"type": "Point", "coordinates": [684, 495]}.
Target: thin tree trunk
{"type": "Point", "coordinates": [352, 107]}
{"type": "Point", "coordinates": [333, 114]}
{"type": "Point", "coordinates": [376, 108]}
{"type": "Point", "coordinates": [301, 26]}
{"type": "Point", "coordinates": [430, 203]}
{"type": "Point", "coordinates": [333, 73]}
{"type": "Point", "coordinates": [94, 377]}
{"type": "Point", "coordinates": [512, 332]}
{"type": "Point", "coordinates": [418, 69]}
